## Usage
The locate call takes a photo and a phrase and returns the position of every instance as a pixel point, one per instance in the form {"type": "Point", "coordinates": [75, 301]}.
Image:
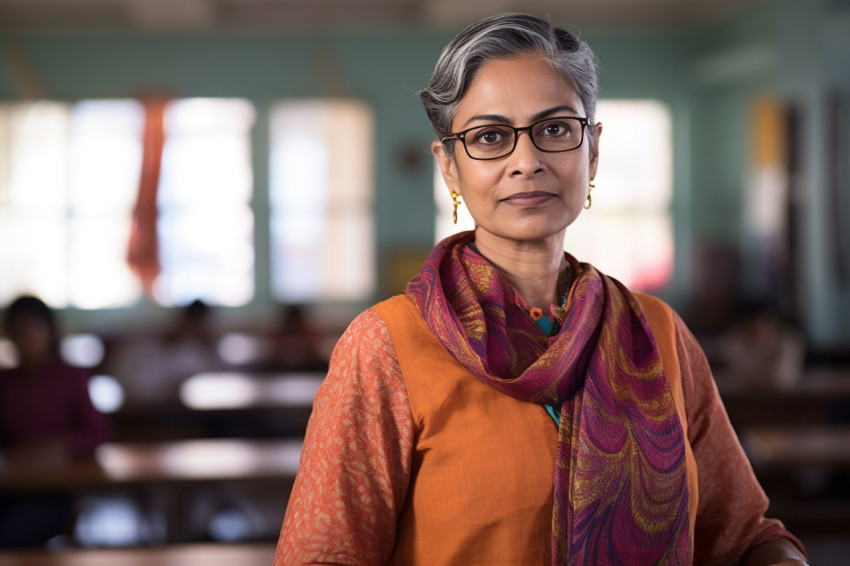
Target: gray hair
{"type": "Point", "coordinates": [499, 37]}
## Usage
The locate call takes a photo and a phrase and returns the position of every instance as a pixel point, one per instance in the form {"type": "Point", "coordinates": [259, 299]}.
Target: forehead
{"type": "Point", "coordinates": [516, 88]}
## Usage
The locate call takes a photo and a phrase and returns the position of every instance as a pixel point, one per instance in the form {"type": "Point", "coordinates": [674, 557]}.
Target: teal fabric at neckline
{"type": "Point", "coordinates": [545, 324]}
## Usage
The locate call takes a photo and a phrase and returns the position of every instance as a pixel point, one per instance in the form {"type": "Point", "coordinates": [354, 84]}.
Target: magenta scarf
{"type": "Point", "coordinates": [620, 484]}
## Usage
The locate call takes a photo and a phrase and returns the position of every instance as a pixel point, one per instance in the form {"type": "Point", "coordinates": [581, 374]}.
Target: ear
{"type": "Point", "coordinates": [448, 166]}
{"type": "Point", "coordinates": [594, 149]}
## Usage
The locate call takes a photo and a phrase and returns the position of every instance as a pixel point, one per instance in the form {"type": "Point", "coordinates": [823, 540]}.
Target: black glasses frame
{"type": "Point", "coordinates": [462, 136]}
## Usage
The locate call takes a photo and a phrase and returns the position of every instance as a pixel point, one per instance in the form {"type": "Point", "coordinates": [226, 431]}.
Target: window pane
{"type": "Point", "coordinates": [631, 202]}
{"type": "Point", "coordinates": [64, 209]}
{"type": "Point", "coordinates": [636, 156]}
{"type": "Point", "coordinates": [206, 222]}
{"type": "Point", "coordinates": [33, 196]}
{"type": "Point", "coordinates": [637, 247]}
{"type": "Point", "coordinates": [321, 201]}
{"type": "Point", "coordinates": [105, 153]}
{"type": "Point", "coordinates": [69, 182]}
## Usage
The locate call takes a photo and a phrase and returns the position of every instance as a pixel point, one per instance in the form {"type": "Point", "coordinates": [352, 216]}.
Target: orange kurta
{"type": "Point", "coordinates": [409, 459]}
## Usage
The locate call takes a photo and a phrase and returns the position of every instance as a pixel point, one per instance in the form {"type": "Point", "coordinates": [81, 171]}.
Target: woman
{"type": "Point", "coordinates": [45, 407]}
{"type": "Point", "coordinates": [46, 416]}
{"type": "Point", "coordinates": [515, 406]}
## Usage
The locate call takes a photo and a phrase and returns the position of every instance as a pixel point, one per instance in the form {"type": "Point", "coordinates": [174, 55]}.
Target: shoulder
{"type": "Point", "coordinates": [370, 331]}
{"type": "Point", "coordinates": [69, 373]}
{"type": "Point", "coordinates": [664, 318]}
{"type": "Point", "coordinates": [364, 362]}
{"type": "Point", "coordinates": [653, 306]}
{"type": "Point", "coordinates": [679, 346]}
{"type": "Point", "coordinates": [366, 334]}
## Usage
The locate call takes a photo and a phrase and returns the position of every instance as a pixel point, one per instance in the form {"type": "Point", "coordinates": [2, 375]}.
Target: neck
{"type": "Point", "coordinates": [31, 365]}
{"type": "Point", "coordinates": [537, 270]}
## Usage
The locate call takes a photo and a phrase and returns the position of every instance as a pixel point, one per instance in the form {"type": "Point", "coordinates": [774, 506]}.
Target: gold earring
{"type": "Point", "coordinates": [589, 202]}
{"type": "Point", "coordinates": [456, 203]}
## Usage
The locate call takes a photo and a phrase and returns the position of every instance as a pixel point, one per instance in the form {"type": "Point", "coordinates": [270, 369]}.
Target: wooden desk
{"type": "Point", "coordinates": [232, 403]}
{"type": "Point", "coordinates": [164, 476]}
{"type": "Point", "coordinates": [249, 390]}
{"type": "Point", "coordinates": [776, 447]}
{"type": "Point", "coordinates": [184, 461]}
{"type": "Point", "coordinates": [798, 467]}
{"type": "Point", "coordinates": [820, 396]}
{"type": "Point", "coordinates": [183, 555]}
{"type": "Point", "coordinates": [815, 382]}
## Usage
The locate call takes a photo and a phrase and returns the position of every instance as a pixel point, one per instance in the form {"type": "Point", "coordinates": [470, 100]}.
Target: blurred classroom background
{"type": "Point", "coordinates": [205, 192]}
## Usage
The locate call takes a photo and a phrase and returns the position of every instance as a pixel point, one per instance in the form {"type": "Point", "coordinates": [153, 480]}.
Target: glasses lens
{"type": "Point", "coordinates": [489, 142]}
{"type": "Point", "coordinates": [557, 134]}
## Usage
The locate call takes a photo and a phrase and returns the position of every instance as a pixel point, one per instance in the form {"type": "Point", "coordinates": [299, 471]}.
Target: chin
{"type": "Point", "coordinates": [541, 231]}
{"type": "Point", "coordinates": [532, 236]}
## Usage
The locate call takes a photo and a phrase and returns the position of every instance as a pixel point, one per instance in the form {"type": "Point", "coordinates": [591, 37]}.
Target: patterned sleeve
{"type": "Point", "coordinates": [732, 504]}
{"type": "Point", "coordinates": [355, 463]}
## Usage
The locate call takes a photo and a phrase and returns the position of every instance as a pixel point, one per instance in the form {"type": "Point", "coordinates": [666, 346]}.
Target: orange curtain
{"type": "Point", "coordinates": [143, 248]}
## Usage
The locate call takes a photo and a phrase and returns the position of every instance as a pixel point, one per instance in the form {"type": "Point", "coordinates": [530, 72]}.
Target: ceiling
{"type": "Point", "coordinates": [182, 15]}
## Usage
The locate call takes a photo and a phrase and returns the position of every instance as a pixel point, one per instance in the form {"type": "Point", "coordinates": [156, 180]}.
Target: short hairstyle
{"type": "Point", "coordinates": [499, 37]}
{"type": "Point", "coordinates": [29, 306]}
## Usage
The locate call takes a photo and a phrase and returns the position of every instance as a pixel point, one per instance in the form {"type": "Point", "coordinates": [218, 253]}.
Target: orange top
{"type": "Point", "coordinates": [409, 459]}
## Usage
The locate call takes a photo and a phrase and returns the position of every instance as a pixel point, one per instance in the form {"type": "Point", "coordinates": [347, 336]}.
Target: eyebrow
{"type": "Point", "coordinates": [505, 120]}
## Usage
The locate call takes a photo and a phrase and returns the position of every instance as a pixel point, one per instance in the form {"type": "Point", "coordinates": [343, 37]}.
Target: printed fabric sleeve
{"type": "Point", "coordinates": [355, 463]}
{"type": "Point", "coordinates": [731, 513]}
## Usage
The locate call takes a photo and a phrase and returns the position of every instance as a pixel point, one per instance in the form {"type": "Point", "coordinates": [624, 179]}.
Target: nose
{"type": "Point", "coordinates": [525, 159]}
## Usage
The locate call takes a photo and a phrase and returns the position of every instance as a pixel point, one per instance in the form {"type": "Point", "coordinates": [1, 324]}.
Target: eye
{"type": "Point", "coordinates": [491, 135]}
{"type": "Point", "coordinates": [556, 128]}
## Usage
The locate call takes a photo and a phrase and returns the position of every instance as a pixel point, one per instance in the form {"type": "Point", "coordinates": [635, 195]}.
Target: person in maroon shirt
{"type": "Point", "coordinates": [46, 415]}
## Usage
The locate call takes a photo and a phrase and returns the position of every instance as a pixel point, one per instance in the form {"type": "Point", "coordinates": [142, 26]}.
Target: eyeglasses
{"type": "Point", "coordinates": [493, 141]}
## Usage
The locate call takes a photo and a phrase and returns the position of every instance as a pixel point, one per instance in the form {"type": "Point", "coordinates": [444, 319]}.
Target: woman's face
{"type": "Point", "coordinates": [528, 196]}
{"type": "Point", "coordinates": [33, 339]}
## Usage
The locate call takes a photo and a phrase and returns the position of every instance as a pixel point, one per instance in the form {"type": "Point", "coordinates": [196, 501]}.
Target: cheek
{"type": "Point", "coordinates": [476, 183]}
{"type": "Point", "coordinates": [33, 341]}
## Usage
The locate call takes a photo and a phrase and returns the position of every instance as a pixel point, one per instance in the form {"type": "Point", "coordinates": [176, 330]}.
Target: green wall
{"type": "Point", "coordinates": [707, 77]}
{"type": "Point", "coordinates": [800, 53]}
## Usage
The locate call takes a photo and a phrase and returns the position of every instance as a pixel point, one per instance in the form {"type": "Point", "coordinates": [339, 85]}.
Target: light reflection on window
{"type": "Point", "coordinates": [33, 193]}
{"type": "Point", "coordinates": [105, 157]}
{"type": "Point", "coordinates": [69, 175]}
{"type": "Point", "coordinates": [234, 390]}
{"type": "Point", "coordinates": [628, 232]}
{"type": "Point", "coordinates": [321, 200]}
{"type": "Point", "coordinates": [206, 223]}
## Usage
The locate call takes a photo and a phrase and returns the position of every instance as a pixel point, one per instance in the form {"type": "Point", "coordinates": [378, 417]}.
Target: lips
{"type": "Point", "coordinates": [531, 198]}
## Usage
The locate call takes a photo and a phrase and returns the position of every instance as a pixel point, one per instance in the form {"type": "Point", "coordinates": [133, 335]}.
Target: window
{"type": "Point", "coordinates": [66, 194]}
{"type": "Point", "coordinates": [321, 201]}
{"type": "Point", "coordinates": [69, 176]}
{"type": "Point", "coordinates": [628, 232]}
{"type": "Point", "coordinates": [206, 225]}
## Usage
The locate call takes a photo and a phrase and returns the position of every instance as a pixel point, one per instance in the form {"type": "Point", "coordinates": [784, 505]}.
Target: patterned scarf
{"type": "Point", "coordinates": [621, 494]}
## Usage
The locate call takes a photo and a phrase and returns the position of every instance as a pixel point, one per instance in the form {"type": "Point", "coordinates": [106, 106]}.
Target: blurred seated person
{"type": "Point", "coordinates": [761, 350]}
{"type": "Point", "coordinates": [295, 343]}
{"type": "Point", "coordinates": [46, 415]}
{"type": "Point", "coordinates": [151, 369]}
